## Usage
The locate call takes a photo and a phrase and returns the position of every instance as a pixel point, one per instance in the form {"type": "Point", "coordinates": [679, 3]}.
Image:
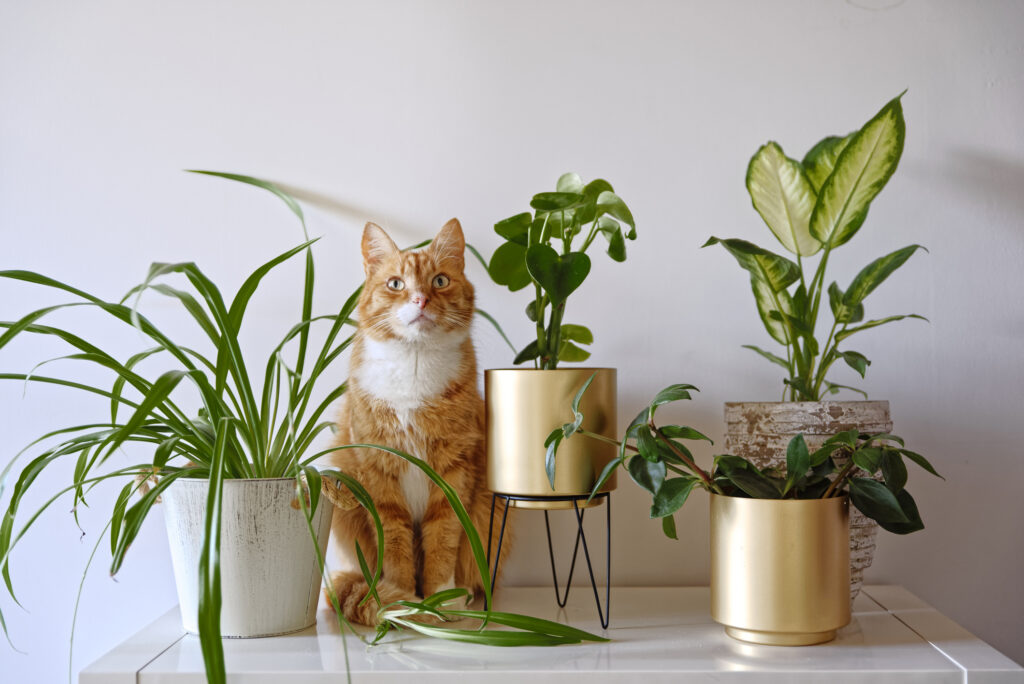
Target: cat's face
{"type": "Point", "coordinates": [415, 296]}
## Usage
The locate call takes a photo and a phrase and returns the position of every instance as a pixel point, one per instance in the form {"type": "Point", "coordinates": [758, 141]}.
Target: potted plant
{"type": "Point", "coordinates": [779, 534]}
{"type": "Point", "coordinates": [245, 515]}
{"type": "Point", "coordinates": [814, 206]}
{"type": "Point", "coordinates": [523, 404]}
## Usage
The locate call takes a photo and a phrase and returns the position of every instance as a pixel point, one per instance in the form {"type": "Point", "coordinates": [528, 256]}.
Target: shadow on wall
{"type": "Point", "coordinates": [992, 177]}
{"type": "Point", "coordinates": [350, 211]}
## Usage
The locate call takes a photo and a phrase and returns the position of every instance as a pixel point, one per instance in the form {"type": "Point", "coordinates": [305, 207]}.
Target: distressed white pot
{"type": "Point", "coordinates": [270, 578]}
{"type": "Point", "coordinates": [761, 430]}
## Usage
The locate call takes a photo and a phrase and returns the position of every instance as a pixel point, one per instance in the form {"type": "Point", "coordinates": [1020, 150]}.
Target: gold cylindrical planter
{"type": "Point", "coordinates": [780, 569]}
{"type": "Point", "coordinates": [523, 407]}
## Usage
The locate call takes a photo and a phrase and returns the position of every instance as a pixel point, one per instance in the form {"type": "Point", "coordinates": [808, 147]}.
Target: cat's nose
{"type": "Point", "coordinates": [420, 300]}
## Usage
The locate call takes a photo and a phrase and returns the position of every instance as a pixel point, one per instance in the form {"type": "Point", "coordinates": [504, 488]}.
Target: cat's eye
{"type": "Point", "coordinates": [396, 284]}
{"type": "Point", "coordinates": [441, 280]}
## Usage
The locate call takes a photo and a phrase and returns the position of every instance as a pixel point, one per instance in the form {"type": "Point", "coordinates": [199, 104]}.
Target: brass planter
{"type": "Point", "coordinates": [780, 569]}
{"type": "Point", "coordinates": [523, 407]}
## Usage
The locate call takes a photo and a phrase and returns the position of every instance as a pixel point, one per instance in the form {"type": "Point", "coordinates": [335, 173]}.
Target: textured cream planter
{"type": "Point", "coordinates": [760, 431]}
{"type": "Point", "coordinates": [270, 578]}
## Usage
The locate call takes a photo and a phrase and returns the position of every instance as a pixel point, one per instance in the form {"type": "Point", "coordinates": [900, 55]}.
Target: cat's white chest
{"type": "Point", "coordinates": [408, 376]}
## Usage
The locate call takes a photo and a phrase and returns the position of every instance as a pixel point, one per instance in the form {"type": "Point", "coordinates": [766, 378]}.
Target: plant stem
{"type": "Point", "coordinates": [602, 438]}
{"type": "Point", "coordinates": [709, 484]}
{"type": "Point", "coordinates": [836, 483]}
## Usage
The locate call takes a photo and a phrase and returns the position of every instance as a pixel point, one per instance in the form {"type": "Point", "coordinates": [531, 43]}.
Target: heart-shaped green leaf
{"type": "Point", "coordinates": [648, 474]}
{"type": "Point", "coordinates": [508, 266]}
{"type": "Point", "coordinates": [671, 496]}
{"type": "Point", "coordinates": [559, 276]}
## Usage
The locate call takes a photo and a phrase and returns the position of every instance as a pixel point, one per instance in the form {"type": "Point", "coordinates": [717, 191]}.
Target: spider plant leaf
{"type": "Point", "coordinates": [820, 160]}
{"type": "Point", "coordinates": [117, 518]}
{"type": "Point", "coordinates": [875, 273]}
{"type": "Point", "coordinates": [861, 171]}
{"type": "Point", "coordinates": [209, 562]}
{"type": "Point", "coordinates": [294, 206]}
{"type": "Point", "coordinates": [366, 501]}
{"type": "Point", "coordinates": [494, 322]}
{"type": "Point", "coordinates": [526, 622]}
{"type": "Point", "coordinates": [784, 197]}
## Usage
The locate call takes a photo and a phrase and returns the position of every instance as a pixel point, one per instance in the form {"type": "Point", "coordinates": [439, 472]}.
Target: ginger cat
{"type": "Point", "coordinates": [413, 387]}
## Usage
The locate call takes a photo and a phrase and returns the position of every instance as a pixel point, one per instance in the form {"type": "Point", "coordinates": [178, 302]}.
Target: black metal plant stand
{"type": "Point", "coordinates": [603, 615]}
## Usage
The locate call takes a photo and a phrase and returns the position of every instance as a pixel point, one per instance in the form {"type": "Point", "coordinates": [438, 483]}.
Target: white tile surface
{"type": "Point", "coordinates": [658, 635]}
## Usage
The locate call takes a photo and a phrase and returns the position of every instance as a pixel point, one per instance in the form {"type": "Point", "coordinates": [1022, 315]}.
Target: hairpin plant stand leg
{"type": "Point", "coordinates": [603, 614]}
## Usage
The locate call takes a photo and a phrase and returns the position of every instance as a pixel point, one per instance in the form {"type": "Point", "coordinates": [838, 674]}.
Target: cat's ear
{"type": "Point", "coordinates": [377, 247]}
{"type": "Point", "coordinates": [449, 246]}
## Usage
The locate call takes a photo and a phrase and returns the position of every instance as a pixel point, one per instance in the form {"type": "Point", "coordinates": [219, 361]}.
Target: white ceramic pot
{"type": "Point", "coordinates": [270, 578]}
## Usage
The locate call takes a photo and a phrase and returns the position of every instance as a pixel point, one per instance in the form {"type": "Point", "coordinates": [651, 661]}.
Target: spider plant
{"type": "Point", "coordinates": [242, 428]}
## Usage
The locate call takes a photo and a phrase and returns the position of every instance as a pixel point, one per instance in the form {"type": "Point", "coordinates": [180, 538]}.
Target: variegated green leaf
{"type": "Point", "coordinates": [775, 271]}
{"type": "Point", "coordinates": [860, 173]}
{"type": "Point", "coordinates": [784, 198]}
{"type": "Point", "coordinates": [821, 159]}
{"type": "Point", "coordinates": [843, 334]}
{"type": "Point", "coordinates": [768, 302]}
{"type": "Point", "coordinates": [875, 273]}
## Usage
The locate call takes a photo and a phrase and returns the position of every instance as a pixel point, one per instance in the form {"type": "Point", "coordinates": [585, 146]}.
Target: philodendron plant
{"type": "Point", "coordinates": [252, 422]}
{"type": "Point", "coordinates": [813, 206]}
{"type": "Point", "coordinates": [528, 256]}
{"type": "Point", "coordinates": [657, 460]}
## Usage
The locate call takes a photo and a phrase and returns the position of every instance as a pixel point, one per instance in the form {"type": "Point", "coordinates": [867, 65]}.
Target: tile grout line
{"type": "Point", "coordinates": [149, 662]}
{"type": "Point", "coordinates": [923, 637]}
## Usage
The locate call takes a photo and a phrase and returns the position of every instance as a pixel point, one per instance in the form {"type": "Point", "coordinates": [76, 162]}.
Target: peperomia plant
{"type": "Point", "coordinates": [529, 257]}
{"type": "Point", "coordinates": [660, 463]}
{"type": "Point", "coordinates": [814, 206]}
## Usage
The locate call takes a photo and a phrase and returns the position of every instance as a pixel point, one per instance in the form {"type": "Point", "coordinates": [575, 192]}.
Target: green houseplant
{"type": "Point", "coordinates": [805, 597]}
{"type": "Point", "coordinates": [240, 432]}
{"type": "Point", "coordinates": [814, 206]}
{"type": "Point", "coordinates": [547, 249]}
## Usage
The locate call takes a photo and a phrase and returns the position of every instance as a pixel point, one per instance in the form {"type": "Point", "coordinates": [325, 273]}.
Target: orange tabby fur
{"type": "Point", "coordinates": [413, 387]}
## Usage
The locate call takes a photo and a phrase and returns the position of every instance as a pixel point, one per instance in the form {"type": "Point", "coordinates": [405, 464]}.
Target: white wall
{"type": "Point", "coordinates": [409, 113]}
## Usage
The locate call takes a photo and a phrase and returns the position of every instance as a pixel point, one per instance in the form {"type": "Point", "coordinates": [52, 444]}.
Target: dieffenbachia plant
{"type": "Point", "coordinates": [814, 206]}
{"type": "Point", "coordinates": [528, 256]}
{"type": "Point", "coordinates": [658, 461]}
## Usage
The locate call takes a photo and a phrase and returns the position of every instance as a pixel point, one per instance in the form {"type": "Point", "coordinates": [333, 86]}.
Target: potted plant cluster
{"type": "Point", "coordinates": [813, 206]}
{"type": "Point", "coordinates": [246, 519]}
{"type": "Point", "coordinates": [779, 534]}
{"type": "Point", "coordinates": [547, 249]}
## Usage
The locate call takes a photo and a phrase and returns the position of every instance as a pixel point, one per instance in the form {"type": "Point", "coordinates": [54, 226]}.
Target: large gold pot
{"type": "Point", "coordinates": [780, 569]}
{"type": "Point", "coordinates": [523, 407]}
